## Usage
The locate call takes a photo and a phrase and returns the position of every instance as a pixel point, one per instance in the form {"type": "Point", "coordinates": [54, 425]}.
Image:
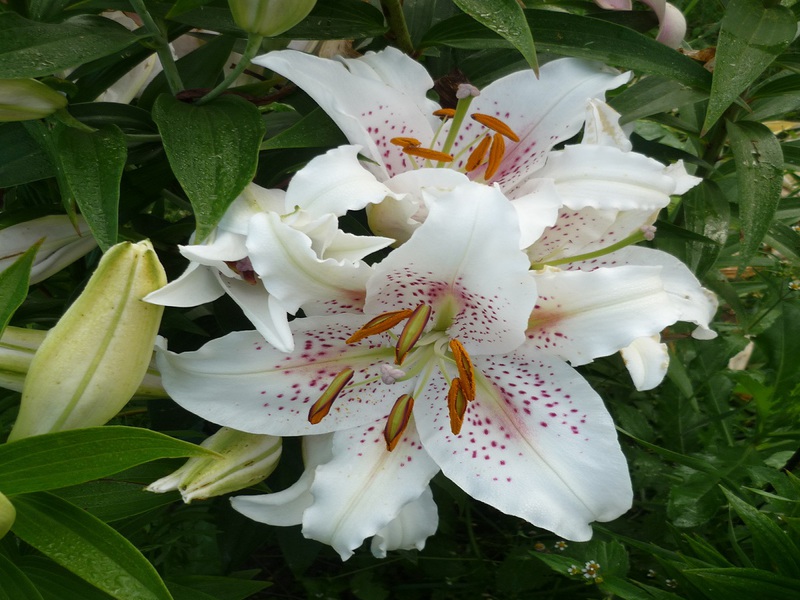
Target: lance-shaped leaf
{"type": "Point", "coordinates": [31, 49]}
{"type": "Point", "coordinates": [89, 168]}
{"type": "Point", "coordinates": [506, 18]}
{"type": "Point", "coordinates": [15, 583]}
{"type": "Point", "coordinates": [56, 460]}
{"type": "Point", "coordinates": [14, 284]}
{"type": "Point", "coordinates": [212, 149]}
{"type": "Point", "coordinates": [750, 38]}
{"type": "Point", "coordinates": [86, 546]}
{"type": "Point", "coordinates": [759, 170]}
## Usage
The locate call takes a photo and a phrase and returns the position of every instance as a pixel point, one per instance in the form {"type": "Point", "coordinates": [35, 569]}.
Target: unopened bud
{"type": "Point", "coordinates": [7, 515]}
{"type": "Point", "coordinates": [93, 360]}
{"type": "Point", "coordinates": [269, 17]}
{"type": "Point", "coordinates": [27, 99]}
{"type": "Point", "coordinates": [245, 459]}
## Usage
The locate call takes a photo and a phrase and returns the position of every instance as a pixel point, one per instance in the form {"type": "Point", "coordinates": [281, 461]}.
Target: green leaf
{"type": "Point", "coordinates": [583, 37]}
{"type": "Point", "coordinates": [339, 19]}
{"type": "Point", "coordinates": [89, 167]}
{"type": "Point", "coordinates": [505, 18]}
{"type": "Point", "coordinates": [743, 583]}
{"type": "Point", "coordinates": [213, 151]}
{"type": "Point", "coordinates": [315, 130]}
{"type": "Point", "coordinates": [707, 212]}
{"type": "Point", "coordinates": [32, 49]}
{"type": "Point", "coordinates": [54, 582]}
{"type": "Point", "coordinates": [653, 95]}
{"type": "Point", "coordinates": [86, 546]}
{"type": "Point", "coordinates": [112, 499]}
{"type": "Point", "coordinates": [14, 284]}
{"type": "Point", "coordinates": [14, 585]}
{"type": "Point", "coordinates": [22, 159]}
{"type": "Point", "coordinates": [759, 172]}
{"type": "Point", "coordinates": [750, 38]}
{"type": "Point", "coordinates": [181, 6]}
{"type": "Point", "coordinates": [221, 588]}
{"type": "Point", "coordinates": [55, 460]}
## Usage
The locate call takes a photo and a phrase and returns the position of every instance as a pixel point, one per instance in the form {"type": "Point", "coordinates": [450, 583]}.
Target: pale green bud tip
{"type": "Point", "coordinates": [269, 17]}
{"type": "Point", "coordinates": [92, 362]}
{"type": "Point", "coordinates": [27, 99]}
{"type": "Point", "coordinates": [7, 515]}
{"type": "Point", "coordinates": [244, 460]}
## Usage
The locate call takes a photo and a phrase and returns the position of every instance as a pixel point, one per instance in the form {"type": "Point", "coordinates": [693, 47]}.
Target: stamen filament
{"type": "Point", "coordinates": [379, 324]}
{"type": "Point", "coordinates": [634, 238]}
{"type": "Point", "coordinates": [495, 124]}
{"type": "Point", "coordinates": [466, 372]}
{"type": "Point", "coordinates": [398, 421]}
{"type": "Point", "coordinates": [322, 407]}
{"type": "Point", "coordinates": [412, 331]}
{"type": "Point", "coordinates": [476, 157]}
{"type": "Point", "coordinates": [496, 153]}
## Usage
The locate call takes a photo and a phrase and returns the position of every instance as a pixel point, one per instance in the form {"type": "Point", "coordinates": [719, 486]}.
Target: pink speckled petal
{"type": "Point", "coordinates": [416, 522]}
{"type": "Point", "coordinates": [368, 110]}
{"type": "Point", "coordinates": [543, 112]}
{"type": "Point", "coordinates": [536, 442]}
{"type": "Point", "coordinates": [241, 382]}
{"type": "Point", "coordinates": [286, 507]}
{"type": "Point", "coordinates": [537, 204]}
{"type": "Point", "coordinates": [582, 315]}
{"type": "Point", "coordinates": [264, 311]}
{"type": "Point", "coordinates": [334, 183]}
{"type": "Point", "coordinates": [647, 360]}
{"type": "Point", "coordinates": [365, 487]}
{"type": "Point", "coordinates": [464, 261]}
{"type": "Point", "coordinates": [197, 285]}
{"type": "Point", "coordinates": [292, 272]}
{"type": "Point", "coordinates": [693, 302]}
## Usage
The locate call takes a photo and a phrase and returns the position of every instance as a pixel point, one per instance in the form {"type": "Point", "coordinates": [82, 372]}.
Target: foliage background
{"type": "Point", "coordinates": [712, 450]}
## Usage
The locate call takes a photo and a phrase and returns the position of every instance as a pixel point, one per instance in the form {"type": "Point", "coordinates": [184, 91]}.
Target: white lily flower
{"type": "Point", "coordinates": [275, 252]}
{"type": "Point", "coordinates": [466, 393]}
{"type": "Point", "coordinates": [62, 246]}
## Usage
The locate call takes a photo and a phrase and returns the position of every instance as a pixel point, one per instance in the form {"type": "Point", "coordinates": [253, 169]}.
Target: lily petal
{"type": "Point", "coordinates": [536, 442]}
{"type": "Point", "coordinates": [197, 285]}
{"type": "Point", "coordinates": [224, 246]}
{"type": "Point", "coordinates": [582, 315]}
{"type": "Point", "coordinates": [647, 360]}
{"type": "Point", "coordinates": [417, 521]}
{"type": "Point", "coordinates": [490, 298]}
{"type": "Point", "coordinates": [363, 488]}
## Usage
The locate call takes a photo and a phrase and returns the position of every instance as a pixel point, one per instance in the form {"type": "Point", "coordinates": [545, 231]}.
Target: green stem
{"type": "Point", "coordinates": [393, 11]}
{"type": "Point", "coordinates": [631, 239]}
{"type": "Point", "coordinates": [252, 48]}
{"type": "Point", "coordinates": [162, 47]}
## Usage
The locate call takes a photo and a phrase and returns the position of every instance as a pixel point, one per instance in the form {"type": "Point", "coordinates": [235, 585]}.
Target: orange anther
{"type": "Point", "coordinates": [398, 420]}
{"type": "Point", "coordinates": [457, 405]}
{"type": "Point", "coordinates": [412, 331]}
{"type": "Point", "coordinates": [405, 142]}
{"type": "Point", "coordinates": [495, 124]}
{"type": "Point", "coordinates": [496, 153]}
{"type": "Point", "coordinates": [477, 155]}
{"type": "Point", "coordinates": [447, 113]}
{"type": "Point", "coordinates": [322, 407]}
{"type": "Point", "coordinates": [380, 324]}
{"type": "Point", "coordinates": [428, 153]}
{"type": "Point", "coordinates": [466, 372]}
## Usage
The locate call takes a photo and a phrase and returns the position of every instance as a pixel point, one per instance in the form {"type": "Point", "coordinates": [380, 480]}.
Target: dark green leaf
{"type": "Point", "coordinates": [584, 37]}
{"type": "Point", "coordinates": [31, 49]}
{"type": "Point", "coordinates": [759, 171]}
{"type": "Point", "coordinates": [22, 159]}
{"type": "Point", "coordinates": [315, 130]}
{"type": "Point", "coordinates": [111, 500]}
{"type": "Point", "coordinates": [89, 166]}
{"type": "Point", "coordinates": [87, 547]}
{"type": "Point", "coordinates": [785, 240]}
{"type": "Point", "coordinates": [505, 18]}
{"type": "Point", "coordinates": [781, 344]}
{"type": "Point", "coordinates": [56, 460]}
{"type": "Point", "coordinates": [54, 582]}
{"type": "Point", "coordinates": [706, 211]}
{"type": "Point", "coordinates": [743, 583]}
{"type": "Point", "coordinates": [750, 38]}
{"type": "Point", "coordinates": [653, 95]}
{"type": "Point", "coordinates": [221, 588]}
{"type": "Point", "coordinates": [213, 151]}
{"type": "Point", "coordinates": [181, 6]}
{"type": "Point", "coordinates": [14, 284]}
{"type": "Point", "coordinates": [14, 585]}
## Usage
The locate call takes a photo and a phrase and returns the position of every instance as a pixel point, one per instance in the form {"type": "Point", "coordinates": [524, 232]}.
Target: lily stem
{"type": "Point", "coordinates": [162, 47]}
{"type": "Point", "coordinates": [631, 239]}
{"type": "Point", "coordinates": [252, 48]}
{"type": "Point", "coordinates": [393, 11]}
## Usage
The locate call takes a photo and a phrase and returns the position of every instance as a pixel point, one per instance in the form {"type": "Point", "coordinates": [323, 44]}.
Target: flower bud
{"type": "Point", "coordinates": [7, 515]}
{"type": "Point", "coordinates": [93, 360]}
{"type": "Point", "coordinates": [27, 99]}
{"type": "Point", "coordinates": [245, 459]}
{"type": "Point", "coordinates": [269, 17]}
{"type": "Point", "coordinates": [63, 244]}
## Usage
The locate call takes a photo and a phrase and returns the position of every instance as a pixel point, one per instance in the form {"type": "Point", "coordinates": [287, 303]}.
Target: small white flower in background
{"type": "Point", "coordinates": [92, 362]}
{"type": "Point", "coordinates": [560, 545]}
{"type": "Point", "coordinates": [245, 459]}
{"type": "Point", "coordinates": [671, 22]}
{"type": "Point", "coordinates": [63, 244]}
{"type": "Point", "coordinates": [591, 570]}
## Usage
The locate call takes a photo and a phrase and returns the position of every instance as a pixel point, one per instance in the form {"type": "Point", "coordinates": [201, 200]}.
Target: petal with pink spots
{"type": "Point", "coordinates": [536, 442]}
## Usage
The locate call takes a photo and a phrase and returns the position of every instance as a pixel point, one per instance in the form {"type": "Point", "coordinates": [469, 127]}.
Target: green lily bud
{"type": "Point", "coordinates": [27, 99]}
{"type": "Point", "coordinates": [269, 17]}
{"type": "Point", "coordinates": [93, 360]}
{"type": "Point", "coordinates": [18, 346]}
{"type": "Point", "coordinates": [245, 459]}
{"type": "Point", "coordinates": [7, 515]}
